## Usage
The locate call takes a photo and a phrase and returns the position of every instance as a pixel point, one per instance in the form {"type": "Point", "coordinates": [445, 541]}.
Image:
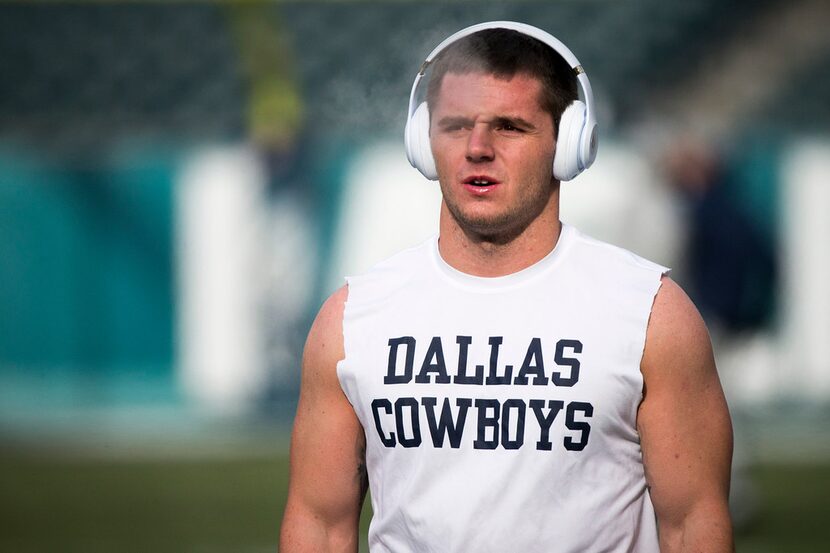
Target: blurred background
{"type": "Point", "coordinates": [183, 183]}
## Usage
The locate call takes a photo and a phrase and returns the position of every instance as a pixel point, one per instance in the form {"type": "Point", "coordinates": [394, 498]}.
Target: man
{"type": "Point", "coordinates": [512, 385]}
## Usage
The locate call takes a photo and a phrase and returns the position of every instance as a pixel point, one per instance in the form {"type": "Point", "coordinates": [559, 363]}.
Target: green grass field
{"type": "Point", "coordinates": [235, 505]}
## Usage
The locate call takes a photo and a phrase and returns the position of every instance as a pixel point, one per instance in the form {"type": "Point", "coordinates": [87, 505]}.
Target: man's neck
{"type": "Point", "coordinates": [494, 256]}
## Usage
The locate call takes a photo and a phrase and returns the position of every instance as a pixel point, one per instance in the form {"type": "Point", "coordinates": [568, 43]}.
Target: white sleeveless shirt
{"type": "Point", "coordinates": [500, 413]}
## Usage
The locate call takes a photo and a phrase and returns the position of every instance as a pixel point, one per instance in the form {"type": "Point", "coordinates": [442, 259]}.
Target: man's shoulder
{"type": "Point", "coordinates": [399, 263]}
{"type": "Point", "coordinates": [392, 274]}
{"type": "Point", "coordinates": [675, 326]}
{"type": "Point", "coordinates": [605, 256]}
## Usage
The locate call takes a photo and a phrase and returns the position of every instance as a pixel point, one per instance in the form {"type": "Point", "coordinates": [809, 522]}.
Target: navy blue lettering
{"type": "Point", "coordinates": [572, 362]}
{"type": "Point", "coordinates": [446, 426]}
{"type": "Point", "coordinates": [581, 426]}
{"type": "Point", "coordinates": [492, 377]}
{"type": "Point", "coordinates": [462, 377]}
{"type": "Point", "coordinates": [519, 407]}
{"type": "Point", "coordinates": [434, 363]}
{"type": "Point", "coordinates": [486, 422]}
{"type": "Point", "coordinates": [386, 405]}
{"type": "Point", "coordinates": [392, 376]}
{"type": "Point", "coordinates": [545, 421]}
{"type": "Point", "coordinates": [533, 364]}
{"type": "Point", "coordinates": [412, 404]}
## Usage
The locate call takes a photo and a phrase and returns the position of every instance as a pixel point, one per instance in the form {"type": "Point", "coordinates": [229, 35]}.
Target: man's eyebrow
{"type": "Point", "coordinates": [451, 121]}
{"type": "Point", "coordinates": [515, 121]}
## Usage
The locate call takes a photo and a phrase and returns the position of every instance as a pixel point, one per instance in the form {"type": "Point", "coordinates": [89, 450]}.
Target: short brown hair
{"type": "Point", "coordinates": [505, 53]}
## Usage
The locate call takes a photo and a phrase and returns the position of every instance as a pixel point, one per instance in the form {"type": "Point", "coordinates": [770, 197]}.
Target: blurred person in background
{"type": "Point", "coordinates": [730, 265]}
{"type": "Point", "coordinates": [512, 384]}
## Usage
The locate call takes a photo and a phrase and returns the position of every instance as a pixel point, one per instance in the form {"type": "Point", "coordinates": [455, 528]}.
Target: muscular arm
{"type": "Point", "coordinates": [685, 429]}
{"type": "Point", "coordinates": [327, 477]}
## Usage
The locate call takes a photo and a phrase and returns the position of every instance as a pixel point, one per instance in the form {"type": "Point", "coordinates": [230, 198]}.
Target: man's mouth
{"type": "Point", "coordinates": [480, 181]}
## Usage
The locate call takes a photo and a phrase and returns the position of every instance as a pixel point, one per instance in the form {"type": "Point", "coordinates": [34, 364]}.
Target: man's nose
{"type": "Point", "coordinates": [480, 144]}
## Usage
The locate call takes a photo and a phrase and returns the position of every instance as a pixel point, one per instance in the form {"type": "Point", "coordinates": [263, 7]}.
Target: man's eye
{"type": "Point", "coordinates": [509, 127]}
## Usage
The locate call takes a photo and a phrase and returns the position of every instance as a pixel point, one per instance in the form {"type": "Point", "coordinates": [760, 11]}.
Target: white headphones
{"type": "Point", "coordinates": [576, 141]}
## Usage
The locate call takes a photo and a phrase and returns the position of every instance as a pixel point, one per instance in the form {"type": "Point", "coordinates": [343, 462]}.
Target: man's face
{"type": "Point", "coordinates": [493, 146]}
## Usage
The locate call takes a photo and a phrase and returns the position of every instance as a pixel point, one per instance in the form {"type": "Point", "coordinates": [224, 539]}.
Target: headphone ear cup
{"type": "Point", "coordinates": [589, 144]}
{"type": "Point", "coordinates": [566, 161]}
{"type": "Point", "coordinates": [416, 141]}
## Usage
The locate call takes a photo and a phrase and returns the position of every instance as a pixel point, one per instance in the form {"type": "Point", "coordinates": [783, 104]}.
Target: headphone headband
{"type": "Point", "coordinates": [525, 29]}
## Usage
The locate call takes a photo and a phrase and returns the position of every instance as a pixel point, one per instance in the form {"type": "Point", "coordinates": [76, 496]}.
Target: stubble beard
{"type": "Point", "coordinates": [502, 227]}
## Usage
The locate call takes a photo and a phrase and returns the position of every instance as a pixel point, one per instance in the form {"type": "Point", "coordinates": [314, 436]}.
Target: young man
{"type": "Point", "coordinates": [512, 385]}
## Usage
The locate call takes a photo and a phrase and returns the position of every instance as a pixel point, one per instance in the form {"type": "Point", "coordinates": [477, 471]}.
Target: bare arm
{"type": "Point", "coordinates": [685, 429]}
{"type": "Point", "coordinates": [327, 477]}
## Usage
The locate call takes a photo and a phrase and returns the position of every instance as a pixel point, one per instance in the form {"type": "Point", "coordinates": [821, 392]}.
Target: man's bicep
{"type": "Point", "coordinates": [327, 458]}
{"type": "Point", "coordinates": [683, 421]}
{"type": "Point", "coordinates": [327, 480]}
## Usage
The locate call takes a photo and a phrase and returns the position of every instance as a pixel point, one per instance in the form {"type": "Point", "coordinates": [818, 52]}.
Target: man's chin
{"type": "Point", "coordinates": [493, 227]}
